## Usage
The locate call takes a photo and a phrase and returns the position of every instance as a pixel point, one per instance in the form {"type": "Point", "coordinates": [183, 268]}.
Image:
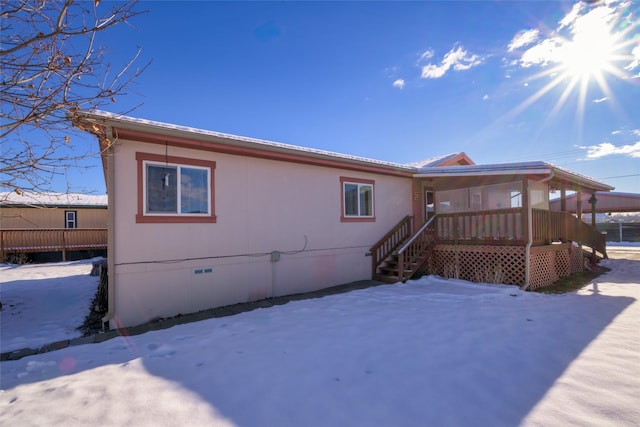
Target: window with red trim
{"type": "Point", "coordinates": [174, 189]}
{"type": "Point", "coordinates": [357, 199]}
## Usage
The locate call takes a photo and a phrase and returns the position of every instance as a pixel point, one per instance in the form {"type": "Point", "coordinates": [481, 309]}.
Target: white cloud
{"type": "Point", "coordinates": [523, 38]}
{"type": "Point", "coordinates": [428, 54]}
{"type": "Point", "coordinates": [399, 83]}
{"type": "Point", "coordinates": [635, 63]}
{"type": "Point", "coordinates": [608, 149]}
{"type": "Point", "coordinates": [571, 17]}
{"type": "Point", "coordinates": [599, 100]}
{"type": "Point", "coordinates": [548, 50]}
{"type": "Point", "coordinates": [485, 97]}
{"type": "Point", "coordinates": [457, 58]}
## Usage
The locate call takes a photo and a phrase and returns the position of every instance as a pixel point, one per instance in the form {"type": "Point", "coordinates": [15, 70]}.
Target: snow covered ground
{"type": "Point", "coordinates": [43, 303]}
{"type": "Point", "coordinates": [431, 352]}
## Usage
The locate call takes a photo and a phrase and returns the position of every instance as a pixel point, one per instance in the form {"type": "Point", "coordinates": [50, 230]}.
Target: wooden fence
{"type": "Point", "coordinates": [51, 240]}
{"type": "Point", "coordinates": [621, 232]}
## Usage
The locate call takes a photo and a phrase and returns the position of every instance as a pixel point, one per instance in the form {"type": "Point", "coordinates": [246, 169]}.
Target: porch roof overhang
{"type": "Point", "coordinates": [468, 175]}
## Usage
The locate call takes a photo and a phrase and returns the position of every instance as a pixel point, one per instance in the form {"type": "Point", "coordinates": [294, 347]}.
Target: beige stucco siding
{"type": "Point", "coordinates": [50, 217]}
{"type": "Point", "coordinates": [262, 206]}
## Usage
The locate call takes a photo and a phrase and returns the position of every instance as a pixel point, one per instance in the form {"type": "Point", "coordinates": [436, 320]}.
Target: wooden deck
{"type": "Point", "coordinates": [488, 246]}
{"type": "Point", "coordinates": [18, 241]}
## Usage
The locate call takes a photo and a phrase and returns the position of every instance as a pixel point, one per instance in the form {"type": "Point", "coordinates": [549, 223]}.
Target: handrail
{"type": "Point", "coordinates": [415, 236]}
{"type": "Point", "coordinates": [381, 250]}
{"type": "Point", "coordinates": [416, 246]}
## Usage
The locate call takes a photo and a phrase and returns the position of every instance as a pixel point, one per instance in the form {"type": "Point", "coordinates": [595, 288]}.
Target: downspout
{"type": "Point", "coordinates": [527, 250]}
{"type": "Point", "coordinates": [111, 274]}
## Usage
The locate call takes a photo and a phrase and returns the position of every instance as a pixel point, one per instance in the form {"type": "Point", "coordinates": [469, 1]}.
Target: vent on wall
{"type": "Point", "coordinates": [204, 270]}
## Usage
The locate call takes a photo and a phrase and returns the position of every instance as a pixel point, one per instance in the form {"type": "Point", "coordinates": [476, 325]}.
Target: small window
{"type": "Point", "coordinates": [357, 200]}
{"type": "Point", "coordinates": [70, 219]}
{"type": "Point", "coordinates": [175, 190]}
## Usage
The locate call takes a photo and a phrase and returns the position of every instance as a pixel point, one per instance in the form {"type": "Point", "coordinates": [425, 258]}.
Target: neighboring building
{"type": "Point", "coordinates": [605, 202]}
{"type": "Point", "coordinates": [201, 219]}
{"type": "Point", "coordinates": [52, 210]}
{"type": "Point", "coordinates": [41, 224]}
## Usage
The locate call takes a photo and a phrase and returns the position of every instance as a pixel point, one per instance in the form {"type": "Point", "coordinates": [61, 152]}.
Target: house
{"type": "Point", "coordinates": [201, 219]}
{"type": "Point", "coordinates": [49, 226]}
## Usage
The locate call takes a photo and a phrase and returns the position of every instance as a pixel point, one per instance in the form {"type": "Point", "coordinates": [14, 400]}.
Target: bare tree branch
{"type": "Point", "coordinates": [50, 67]}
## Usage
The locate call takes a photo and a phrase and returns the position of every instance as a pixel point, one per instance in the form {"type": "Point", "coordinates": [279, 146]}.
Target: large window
{"type": "Point", "coordinates": [539, 196]}
{"type": "Point", "coordinates": [452, 200]}
{"type": "Point", "coordinates": [175, 189]}
{"type": "Point", "coordinates": [481, 198]}
{"type": "Point", "coordinates": [496, 196]}
{"type": "Point", "coordinates": [357, 199]}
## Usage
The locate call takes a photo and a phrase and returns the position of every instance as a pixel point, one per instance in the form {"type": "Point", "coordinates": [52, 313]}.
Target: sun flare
{"type": "Point", "coordinates": [592, 48]}
{"type": "Point", "coordinates": [591, 44]}
{"type": "Point", "coordinates": [588, 56]}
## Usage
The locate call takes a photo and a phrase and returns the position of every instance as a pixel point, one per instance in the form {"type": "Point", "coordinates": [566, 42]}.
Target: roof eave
{"type": "Point", "coordinates": [165, 130]}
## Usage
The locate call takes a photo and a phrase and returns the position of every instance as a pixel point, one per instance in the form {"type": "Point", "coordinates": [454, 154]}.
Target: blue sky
{"type": "Point", "coordinates": [397, 81]}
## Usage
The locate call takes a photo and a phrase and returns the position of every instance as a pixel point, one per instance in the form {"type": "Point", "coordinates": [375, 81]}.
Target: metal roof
{"type": "Point", "coordinates": [427, 170]}
{"type": "Point", "coordinates": [25, 198]}
{"type": "Point", "coordinates": [102, 118]}
{"type": "Point", "coordinates": [549, 170]}
{"type": "Point", "coordinates": [605, 202]}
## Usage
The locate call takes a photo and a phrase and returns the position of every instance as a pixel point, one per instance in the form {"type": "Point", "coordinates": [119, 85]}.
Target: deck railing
{"type": "Point", "coordinates": [503, 226]}
{"type": "Point", "coordinates": [390, 242]}
{"type": "Point", "coordinates": [51, 240]}
{"type": "Point", "coordinates": [506, 227]}
{"type": "Point", "coordinates": [553, 226]}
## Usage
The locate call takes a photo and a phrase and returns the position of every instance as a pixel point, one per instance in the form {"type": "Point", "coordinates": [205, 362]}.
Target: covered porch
{"type": "Point", "coordinates": [491, 223]}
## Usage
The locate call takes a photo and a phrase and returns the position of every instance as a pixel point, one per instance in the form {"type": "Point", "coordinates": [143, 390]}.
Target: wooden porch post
{"type": "Point", "coordinates": [579, 214]}
{"type": "Point", "coordinates": [563, 208]}
{"type": "Point", "coordinates": [417, 204]}
{"type": "Point", "coordinates": [593, 202]}
{"type": "Point", "coordinates": [525, 209]}
{"type": "Point", "coordinates": [64, 247]}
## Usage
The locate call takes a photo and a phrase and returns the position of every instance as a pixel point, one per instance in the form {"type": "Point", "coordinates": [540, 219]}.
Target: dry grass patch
{"type": "Point", "coordinates": [574, 282]}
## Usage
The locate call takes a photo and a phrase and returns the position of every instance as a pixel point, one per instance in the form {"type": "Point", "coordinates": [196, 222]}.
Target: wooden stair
{"type": "Point", "coordinates": [388, 271]}
{"type": "Point", "coordinates": [593, 260]}
{"type": "Point", "coordinates": [400, 255]}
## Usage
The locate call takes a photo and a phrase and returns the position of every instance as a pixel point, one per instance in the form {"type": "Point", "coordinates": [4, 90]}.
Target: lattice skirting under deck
{"type": "Point", "coordinates": [505, 264]}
